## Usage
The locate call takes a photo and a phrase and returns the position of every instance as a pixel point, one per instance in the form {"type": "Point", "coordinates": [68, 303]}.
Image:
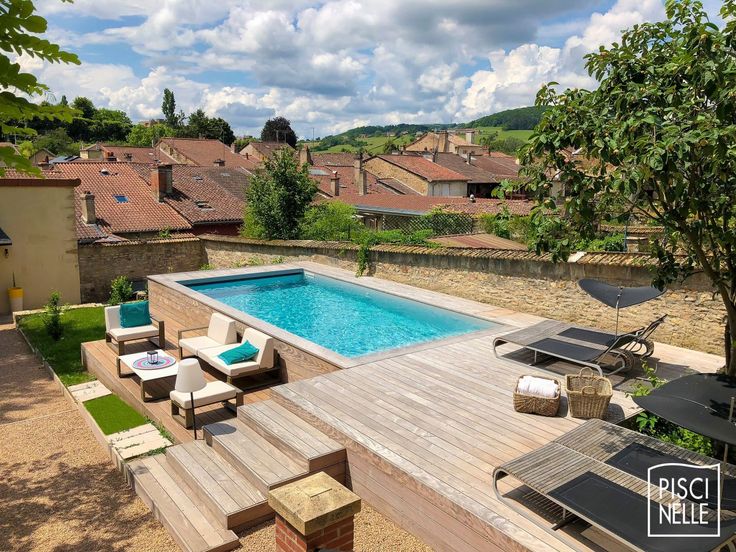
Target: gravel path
{"type": "Point", "coordinates": [58, 489]}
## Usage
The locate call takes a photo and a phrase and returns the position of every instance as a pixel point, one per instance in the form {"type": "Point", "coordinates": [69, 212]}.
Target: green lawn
{"type": "Point", "coordinates": [80, 325]}
{"type": "Point", "coordinates": [520, 134]}
{"type": "Point", "coordinates": [113, 415]}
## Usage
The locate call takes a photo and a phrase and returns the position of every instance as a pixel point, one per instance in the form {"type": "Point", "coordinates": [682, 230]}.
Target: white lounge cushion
{"type": "Point", "coordinates": [265, 356]}
{"type": "Point", "coordinates": [139, 332]}
{"type": "Point", "coordinates": [112, 317]}
{"type": "Point", "coordinates": [193, 345]}
{"type": "Point", "coordinates": [232, 370]}
{"type": "Point", "coordinates": [215, 391]}
{"type": "Point", "coordinates": [222, 329]}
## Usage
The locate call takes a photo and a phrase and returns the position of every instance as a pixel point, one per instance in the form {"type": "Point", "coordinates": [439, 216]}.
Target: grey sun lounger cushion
{"type": "Point", "coordinates": [564, 349]}
{"type": "Point", "coordinates": [636, 459]}
{"type": "Point", "coordinates": [624, 513]}
{"type": "Point", "coordinates": [593, 336]}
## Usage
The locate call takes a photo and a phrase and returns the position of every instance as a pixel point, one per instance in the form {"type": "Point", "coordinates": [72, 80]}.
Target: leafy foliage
{"type": "Point", "coordinates": [121, 290]}
{"type": "Point", "coordinates": [19, 27]}
{"type": "Point", "coordinates": [523, 118]}
{"type": "Point", "coordinates": [52, 313]}
{"type": "Point", "coordinates": [168, 108]}
{"type": "Point", "coordinates": [58, 142]}
{"type": "Point", "coordinates": [147, 136]}
{"type": "Point", "coordinates": [331, 221]}
{"type": "Point", "coordinates": [279, 196]}
{"type": "Point", "coordinates": [200, 125]}
{"type": "Point", "coordinates": [278, 129]}
{"type": "Point", "coordinates": [657, 137]}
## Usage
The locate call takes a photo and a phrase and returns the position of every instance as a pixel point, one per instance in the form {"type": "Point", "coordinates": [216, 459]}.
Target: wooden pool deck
{"type": "Point", "coordinates": [425, 428]}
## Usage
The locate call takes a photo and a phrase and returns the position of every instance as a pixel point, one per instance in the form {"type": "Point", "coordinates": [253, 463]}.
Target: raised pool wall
{"type": "Point", "coordinates": [516, 280]}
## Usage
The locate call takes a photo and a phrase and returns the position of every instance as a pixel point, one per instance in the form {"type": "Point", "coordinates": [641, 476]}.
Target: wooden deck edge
{"type": "Point", "coordinates": [496, 538]}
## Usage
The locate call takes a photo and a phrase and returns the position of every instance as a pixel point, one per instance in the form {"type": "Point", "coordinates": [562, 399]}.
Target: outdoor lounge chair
{"type": "Point", "coordinates": [264, 361]}
{"type": "Point", "coordinates": [115, 332]}
{"type": "Point", "coordinates": [586, 346]}
{"type": "Point", "coordinates": [598, 473]}
{"type": "Point", "coordinates": [221, 331]}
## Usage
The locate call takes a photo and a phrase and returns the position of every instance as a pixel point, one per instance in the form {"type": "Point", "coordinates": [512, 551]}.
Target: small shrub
{"type": "Point", "coordinates": [52, 317]}
{"type": "Point", "coordinates": [207, 266]}
{"type": "Point", "coordinates": [164, 234]}
{"type": "Point", "coordinates": [121, 289]}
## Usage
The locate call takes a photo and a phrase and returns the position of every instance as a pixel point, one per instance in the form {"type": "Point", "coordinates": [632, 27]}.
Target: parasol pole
{"type": "Point", "coordinates": [618, 299]}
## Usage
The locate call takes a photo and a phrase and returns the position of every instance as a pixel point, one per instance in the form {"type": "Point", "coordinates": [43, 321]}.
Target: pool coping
{"type": "Point", "coordinates": [457, 305]}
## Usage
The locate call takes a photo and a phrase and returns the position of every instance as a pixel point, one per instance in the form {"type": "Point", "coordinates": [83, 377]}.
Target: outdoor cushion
{"type": "Point", "coordinates": [265, 345]}
{"type": "Point", "coordinates": [215, 391]}
{"type": "Point", "coordinates": [232, 370]}
{"type": "Point", "coordinates": [139, 332]}
{"type": "Point", "coordinates": [241, 353]}
{"type": "Point", "coordinates": [134, 314]}
{"type": "Point", "coordinates": [193, 345]}
{"type": "Point", "coordinates": [222, 329]}
{"type": "Point", "coordinates": [112, 317]}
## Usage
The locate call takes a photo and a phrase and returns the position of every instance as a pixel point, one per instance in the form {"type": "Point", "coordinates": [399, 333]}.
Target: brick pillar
{"type": "Point", "coordinates": [314, 513]}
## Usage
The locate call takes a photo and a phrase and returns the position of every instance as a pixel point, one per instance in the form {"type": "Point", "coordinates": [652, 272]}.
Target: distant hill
{"type": "Point", "coordinates": [523, 118]}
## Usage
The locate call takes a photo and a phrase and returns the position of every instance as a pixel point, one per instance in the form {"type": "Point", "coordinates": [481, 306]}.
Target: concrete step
{"type": "Point", "coordinates": [229, 496]}
{"type": "Point", "coordinates": [173, 503]}
{"type": "Point", "coordinates": [300, 441]}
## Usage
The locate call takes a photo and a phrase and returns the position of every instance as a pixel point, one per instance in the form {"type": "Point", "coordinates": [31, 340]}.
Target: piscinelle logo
{"type": "Point", "coordinates": [683, 499]}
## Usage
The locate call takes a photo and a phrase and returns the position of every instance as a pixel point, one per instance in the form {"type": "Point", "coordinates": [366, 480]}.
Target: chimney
{"type": "Point", "coordinates": [128, 157]}
{"type": "Point", "coordinates": [335, 184]}
{"type": "Point", "coordinates": [161, 181]}
{"type": "Point", "coordinates": [469, 136]}
{"type": "Point", "coordinates": [434, 155]}
{"type": "Point", "coordinates": [88, 208]}
{"type": "Point", "coordinates": [247, 155]}
{"type": "Point", "coordinates": [305, 157]}
{"type": "Point", "coordinates": [233, 148]}
{"type": "Point", "coordinates": [219, 163]}
{"type": "Point", "coordinates": [110, 156]}
{"type": "Point", "coordinates": [442, 141]}
{"type": "Point", "coordinates": [359, 176]}
{"type": "Point", "coordinates": [468, 158]}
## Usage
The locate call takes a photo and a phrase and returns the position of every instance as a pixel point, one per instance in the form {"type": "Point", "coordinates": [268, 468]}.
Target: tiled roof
{"type": "Point", "coordinates": [266, 149]}
{"type": "Point", "coordinates": [138, 154]}
{"type": "Point", "coordinates": [199, 196]}
{"type": "Point", "coordinates": [423, 167]}
{"type": "Point", "coordinates": [472, 172]}
{"type": "Point", "coordinates": [347, 180]}
{"type": "Point", "coordinates": [394, 186]}
{"type": "Point", "coordinates": [500, 167]}
{"type": "Point", "coordinates": [139, 213]}
{"type": "Point", "coordinates": [205, 152]}
{"type": "Point", "coordinates": [333, 159]}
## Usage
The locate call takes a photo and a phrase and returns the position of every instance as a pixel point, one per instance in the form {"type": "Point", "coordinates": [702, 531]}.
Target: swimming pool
{"type": "Point", "coordinates": [349, 319]}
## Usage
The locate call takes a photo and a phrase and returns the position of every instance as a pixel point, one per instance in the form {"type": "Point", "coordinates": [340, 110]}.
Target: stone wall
{"type": "Point", "coordinates": [516, 280]}
{"type": "Point", "coordinates": [99, 264]}
{"type": "Point", "coordinates": [384, 169]}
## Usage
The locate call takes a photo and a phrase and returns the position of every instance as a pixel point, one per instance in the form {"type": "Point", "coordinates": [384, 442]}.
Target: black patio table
{"type": "Point", "coordinates": [699, 402]}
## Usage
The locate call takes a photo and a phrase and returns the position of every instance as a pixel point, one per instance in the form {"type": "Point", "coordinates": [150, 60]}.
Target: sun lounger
{"type": "Point", "coordinates": [220, 331]}
{"type": "Point", "coordinates": [585, 346]}
{"type": "Point", "coordinates": [598, 473]}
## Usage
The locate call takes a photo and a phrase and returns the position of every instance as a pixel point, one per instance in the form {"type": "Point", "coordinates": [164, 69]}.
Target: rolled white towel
{"type": "Point", "coordinates": [538, 387]}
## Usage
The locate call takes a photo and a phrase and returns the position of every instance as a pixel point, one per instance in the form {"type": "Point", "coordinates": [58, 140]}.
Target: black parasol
{"type": "Point", "coordinates": [618, 297]}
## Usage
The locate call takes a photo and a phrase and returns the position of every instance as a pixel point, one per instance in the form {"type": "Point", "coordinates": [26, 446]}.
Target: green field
{"type": "Point", "coordinates": [375, 143]}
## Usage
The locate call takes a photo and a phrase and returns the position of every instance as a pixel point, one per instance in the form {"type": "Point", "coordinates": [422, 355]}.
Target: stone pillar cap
{"type": "Point", "coordinates": [313, 503]}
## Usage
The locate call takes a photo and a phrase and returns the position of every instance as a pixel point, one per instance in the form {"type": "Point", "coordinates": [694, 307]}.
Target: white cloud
{"type": "Point", "coordinates": [335, 63]}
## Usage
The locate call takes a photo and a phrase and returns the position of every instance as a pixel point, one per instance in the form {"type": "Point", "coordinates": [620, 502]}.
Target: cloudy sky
{"type": "Point", "coordinates": [331, 65]}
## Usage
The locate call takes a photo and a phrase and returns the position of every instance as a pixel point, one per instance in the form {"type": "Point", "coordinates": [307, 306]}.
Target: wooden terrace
{"type": "Point", "coordinates": [424, 429]}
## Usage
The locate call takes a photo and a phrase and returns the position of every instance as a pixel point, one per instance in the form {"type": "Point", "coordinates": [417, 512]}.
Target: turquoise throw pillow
{"type": "Point", "coordinates": [134, 314]}
{"type": "Point", "coordinates": [241, 353]}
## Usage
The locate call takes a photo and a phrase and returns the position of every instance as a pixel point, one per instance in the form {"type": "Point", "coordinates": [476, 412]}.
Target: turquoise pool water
{"type": "Point", "coordinates": [348, 319]}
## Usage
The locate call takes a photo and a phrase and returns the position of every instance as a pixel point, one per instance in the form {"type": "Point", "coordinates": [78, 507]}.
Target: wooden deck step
{"type": "Point", "coordinates": [261, 463]}
{"type": "Point", "coordinates": [299, 440]}
{"type": "Point", "coordinates": [231, 498]}
{"type": "Point", "coordinates": [170, 499]}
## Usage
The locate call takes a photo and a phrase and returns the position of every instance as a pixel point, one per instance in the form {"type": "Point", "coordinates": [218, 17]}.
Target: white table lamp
{"type": "Point", "coordinates": [190, 379]}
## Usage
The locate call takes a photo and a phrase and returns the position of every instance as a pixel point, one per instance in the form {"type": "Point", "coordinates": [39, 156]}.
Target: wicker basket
{"type": "Point", "coordinates": [588, 394]}
{"type": "Point", "coordinates": [531, 404]}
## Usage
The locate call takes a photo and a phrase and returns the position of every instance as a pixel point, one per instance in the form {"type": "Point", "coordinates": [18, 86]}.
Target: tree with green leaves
{"type": "Point", "coordinates": [278, 129]}
{"type": "Point", "coordinates": [109, 125]}
{"type": "Point", "coordinates": [149, 135]}
{"type": "Point", "coordinates": [279, 196]}
{"type": "Point", "coordinates": [84, 112]}
{"type": "Point", "coordinates": [168, 107]}
{"type": "Point", "coordinates": [200, 125]}
{"type": "Point", "coordinates": [19, 30]}
{"type": "Point", "coordinates": [656, 139]}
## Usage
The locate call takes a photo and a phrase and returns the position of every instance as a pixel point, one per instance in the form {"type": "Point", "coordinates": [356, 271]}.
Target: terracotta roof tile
{"type": "Point", "coordinates": [137, 154]}
{"type": "Point", "coordinates": [333, 159]}
{"type": "Point", "coordinates": [501, 168]}
{"type": "Point", "coordinates": [206, 152]}
{"type": "Point", "coordinates": [423, 167]}
{"type": "Point", "coordinates": [479, 241]}
{"type": "Point", "coordinates": [421, 204]}
{"type": "Point", "coordinates": [475, 173]}
{"type": "Point", "coordinates": [267, 149]}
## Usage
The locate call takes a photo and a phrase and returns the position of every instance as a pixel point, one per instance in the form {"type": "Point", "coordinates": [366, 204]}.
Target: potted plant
{"type": "Point", "coordinates": [15, 296]}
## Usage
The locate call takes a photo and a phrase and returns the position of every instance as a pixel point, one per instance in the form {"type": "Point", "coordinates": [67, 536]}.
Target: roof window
{"type": "Point", "coordinates": [121, 198]}
{"type": "Point", "coordinates": [204, 205]}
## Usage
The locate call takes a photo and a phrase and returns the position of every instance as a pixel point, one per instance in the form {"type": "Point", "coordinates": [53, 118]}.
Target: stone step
{"type": "Point", "coordinates": [172, 502]}
{"type": "Point", "coordinates": [260, 462]}
{"type": "Point", "coordinates": [299, 440]}
{"type": "Point", "coordinates": [229, 496]}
